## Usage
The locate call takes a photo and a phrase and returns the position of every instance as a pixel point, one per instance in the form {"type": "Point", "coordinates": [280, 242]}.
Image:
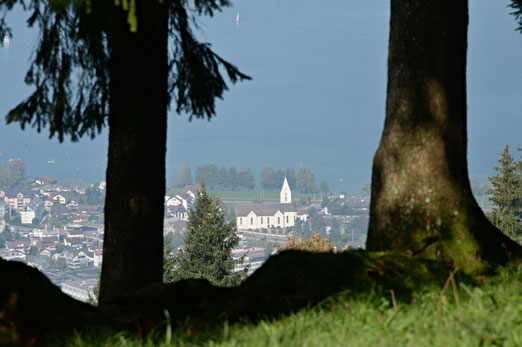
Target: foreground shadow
{"type": "Point", "coordinates": [32, 308]}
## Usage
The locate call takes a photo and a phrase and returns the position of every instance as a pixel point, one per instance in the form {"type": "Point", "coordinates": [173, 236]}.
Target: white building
{"type": "Point", "coordinates": [80, 290]}
{"type": "Point", "coordinates": [80, 261]}
{"type": "Point", "coordinates": [12, 254]}
{"type": "Point", "coordinates": [185, 197]}
{"type": "Point", "coordinates": [27, 215]}
{"type": "Point", "coordinates": [263, 216]}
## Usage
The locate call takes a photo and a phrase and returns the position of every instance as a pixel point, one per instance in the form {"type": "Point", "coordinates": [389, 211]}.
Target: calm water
{"type": "Point", "coordinates": [317, 98]}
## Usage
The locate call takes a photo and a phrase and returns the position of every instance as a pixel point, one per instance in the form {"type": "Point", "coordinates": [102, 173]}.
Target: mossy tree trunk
{"type": "Point", "coordinates": [133, 243]}
{"type": "Point", "coordinates": [421, 197]}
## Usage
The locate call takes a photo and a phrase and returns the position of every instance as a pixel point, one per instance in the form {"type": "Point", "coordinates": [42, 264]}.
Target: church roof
{"type": "Point", "coordinates": [243, 210]}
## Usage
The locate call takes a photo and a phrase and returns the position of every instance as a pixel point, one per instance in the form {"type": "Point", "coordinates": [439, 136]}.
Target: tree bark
{"type": "Point", "coordinates": [421, 197]}
{"type": "Point", "coordinates": [133, 242]}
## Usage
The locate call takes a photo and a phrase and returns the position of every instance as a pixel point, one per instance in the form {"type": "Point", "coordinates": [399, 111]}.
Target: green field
{"type": "Point", "coordinates": [489, 315]}
{"type": "Point", "coordinates": [250, 194]}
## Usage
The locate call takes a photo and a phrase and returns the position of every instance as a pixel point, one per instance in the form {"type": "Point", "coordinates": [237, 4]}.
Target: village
{"type": "Point", "coordinates": [58, 228]}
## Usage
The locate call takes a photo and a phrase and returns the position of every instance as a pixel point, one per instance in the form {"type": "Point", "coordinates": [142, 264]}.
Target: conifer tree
{"type": "Point", "coordinates": [208, 245]}
{"type": "Point", "coordinates": [507, 196]}
{"type": "Point", "coordinates": [122, 64]}
{"type": "Point", "coordinates": [17, 171]}
{"type": "Point", "coordinates": [306, 181]}
{"type": "Point", "coordinates": [324, 187]}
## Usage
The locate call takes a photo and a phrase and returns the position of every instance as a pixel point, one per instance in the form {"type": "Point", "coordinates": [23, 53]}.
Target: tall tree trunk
{"type": "Point", "coordinates": [421, 197]}
{"type": "Point", "coordinates": [133, 243]}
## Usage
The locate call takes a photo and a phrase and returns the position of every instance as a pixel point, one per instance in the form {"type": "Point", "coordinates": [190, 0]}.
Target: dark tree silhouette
{"type": "Point", "coordinates": [421, 196]}
{"type": "Point", "coordinates": [516, 5]}
{"type": "Point", "coordinates": [108, 62]}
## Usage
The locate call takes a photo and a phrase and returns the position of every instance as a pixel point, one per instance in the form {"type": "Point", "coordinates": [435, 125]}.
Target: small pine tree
{"type": "Point", "coordinates": [208, 245]}
{"type": "Point", "coordinates": [507, 196]}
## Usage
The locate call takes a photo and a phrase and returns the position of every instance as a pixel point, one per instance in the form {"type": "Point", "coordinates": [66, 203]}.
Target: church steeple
{"type": "Point", "coordinates": [286, 193]}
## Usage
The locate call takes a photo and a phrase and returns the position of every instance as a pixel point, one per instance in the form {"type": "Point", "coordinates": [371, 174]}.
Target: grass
{"type": "Point", "coordinates": [456, 315]}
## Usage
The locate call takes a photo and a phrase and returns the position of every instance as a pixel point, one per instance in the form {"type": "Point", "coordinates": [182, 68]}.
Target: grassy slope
{"type": "Point", "coordinates": [489, 315]}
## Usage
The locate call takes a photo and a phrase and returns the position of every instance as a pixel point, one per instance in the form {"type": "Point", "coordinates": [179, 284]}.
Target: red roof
{"type": "Point", "coordinates": [18, 244]}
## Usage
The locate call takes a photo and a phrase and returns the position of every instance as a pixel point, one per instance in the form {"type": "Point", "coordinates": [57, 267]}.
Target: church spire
{"type": "Point", "coordinates": [286, 193]}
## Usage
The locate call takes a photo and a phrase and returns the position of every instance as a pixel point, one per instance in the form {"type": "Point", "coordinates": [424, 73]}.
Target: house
{"type": "Point", "coordinates": [178, 211]}
{"type": "Point", "coordinates": [49, 241]}
{"type": "Point", "coordinates": [303, 214]}
{"type": "Point", "coordinates": [5, 208]}
{"type": "Point", "coordinates": [80, 261]}
{"type": "Point", "coordinates": [39, 261]}
{"type": "Point", "coordinates": [27, 215]}
{"type": "Point", "coordinates": [77, 198]}
{"type": "Point", "coordinates": [59, 212]}
{"type": "Point", "coordinates": [17, 198]}
{"type": "Point", "coordinates": [72, 205]}
{"type": "Point", "coordinates": [89, 209]}
{"type": "Point", "coordinates": [190, 193]}
{"type": "Point", "coordinates": [48, 252]}
{"type": "Point", "coordinates": [74, 233]}
{"type": "Point", "coordinates": [264, 216]}
{"type": "Point", "coordinates": [37, 209]}
{"type": "Point", "coordinates": [48, 204]}
{"type": "Point", "coordinates": [67, 253]}
{"type": "Point", "coordinates": [94, 257]}
{"type": "Point", "coordinates": [97, 258]}
{"type": "Point", "coordinates": [176, 200]}
{"type": "Point", "coordinates": [41, 180]}
{"type": "Point", "coordinates": [59, 198]}
{"type": "Point", "coordinates": [12, 254]}
{"type": "Point", "coordinates": [19, 245]}
{"type": "Point", "coordinates": [75, 242]}
{"type": "Point", "coordinates": [185, 197]}
{"type": "Point", "coordinates": [80, 218]}
{"type": "Point", "coordinates": [94, 228]}
{"type": "Point", "coordinates": [31, 211]}
{"type": "Point", "coordinates": [348, 205]}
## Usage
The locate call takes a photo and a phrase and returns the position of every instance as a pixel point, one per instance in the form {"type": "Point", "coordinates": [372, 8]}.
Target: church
{"type": "Point", "coordinates": [264, 216]}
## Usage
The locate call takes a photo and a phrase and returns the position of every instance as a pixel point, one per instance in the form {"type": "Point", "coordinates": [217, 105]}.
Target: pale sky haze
{"type": "Point", "coordinates": [317, 98]}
